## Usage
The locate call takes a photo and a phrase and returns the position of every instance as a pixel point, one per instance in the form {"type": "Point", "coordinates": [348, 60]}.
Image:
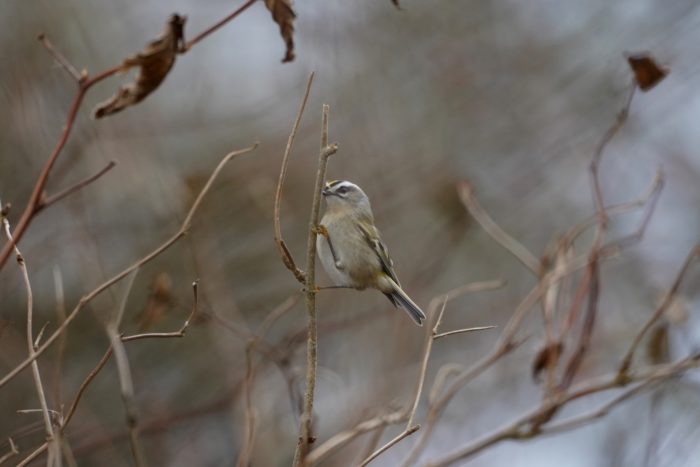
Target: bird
{"type": "Point", "coordinates": [351, 250]}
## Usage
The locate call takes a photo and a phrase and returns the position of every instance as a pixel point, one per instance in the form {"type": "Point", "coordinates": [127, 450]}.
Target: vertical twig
{"type": "Point", "coordinates": [305, 429]}
{"type": "Point", "coordinates": [286, 255]}
{"type": "Point", "coordinates": [48, 425]}
{"type": "Point", "coordinates": [126, 383]}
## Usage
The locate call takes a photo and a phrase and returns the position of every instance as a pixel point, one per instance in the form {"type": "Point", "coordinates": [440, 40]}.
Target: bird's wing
{"type": "Point", "coordinates": [371, 235]}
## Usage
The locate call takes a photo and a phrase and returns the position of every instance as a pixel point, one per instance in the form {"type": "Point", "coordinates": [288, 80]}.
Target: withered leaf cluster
{"type": "Point", "coordinates": [647, 73]}
{"type": "Point", "coordinates": [154, 62]}
{"type": "Point", "coordinates": [283, 14]}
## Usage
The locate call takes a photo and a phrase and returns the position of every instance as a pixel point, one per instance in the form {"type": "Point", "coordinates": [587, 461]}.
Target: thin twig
{"type": "Point", "coordinates": [665, 303]}
{"type": "Point", "coordinates": [9, 455]}
{"type": "Point", "coordinates": [184, 229]}
{"type": "Point", "coordinates": [461, 331]}
{"type": "Point", "coordinates": [61, 315]}
{"type": "Point", "coordinates": [48, 425]}
{"type": "Point", "coordinates": [126, 383]}
{"type": "Point", "coordinates": [286, 255]}
{"type": "Point", "coordinates": [63, 61]}
{"type": "Point", "coordinates": [598, 155]}
{"type": "Point", "coordinates": [305, 429]}
{"type": "Point", "coordinates": [341, 439]}
{"type": "Point", "coordinates": [84, 82]}
{"type": "Point", "coordinates": [101, 364]}
{"type": "Point", "coordinates": [217, 26]}
{"type": "Point", "coordinates": [49, 200]}
{"type": "Point", "coordinates": [466, 195]}
{"type": "Point", "coordinates": [399, 437]}
{"type": "Point", "coordinates": [527, 426]}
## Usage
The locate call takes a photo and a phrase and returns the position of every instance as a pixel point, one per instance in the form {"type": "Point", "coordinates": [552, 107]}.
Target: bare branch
{"type": "Point", "coordinates": [119, 276]}
{"type": "Point", "coordinates": [9, 455]}
{"type": "Point", "coordinates": [49, 200]}
{"type": "Point", "coordinates": [461, 331]}
{"type": "Point", "coordinates": [598, 155]}
{"type": "Point", "coordinates": [466, 195]}
{"type": "Point", "coordinates": [48, 425]}
{"type": "Point", "coordinates": [286, 255]}
{"type": "Point", "coordinates": [63, 61]}
{"type": "Point", "coordinates": [217, 26]}
{"type": "Point", "coordinates": [665, 303]}
{"type": "Point", "coordinates": [402, 435]}
{"type": "Point", "coordinates": [305, 429]}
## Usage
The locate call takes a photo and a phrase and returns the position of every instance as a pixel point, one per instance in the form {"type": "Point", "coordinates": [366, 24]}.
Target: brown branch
{"type": "Point", "coordinates": [217, 26]}
{"type": "Point", "coordinates": [183, 230]}
{"type": "Point", "coordinates": [527, 426]}
{"type": "Point", "coordinates": [48, 424]}
{"type": "Point", "coordinates": [305, 428]}
{"type": "Point", "coordinates": [9, 455]}
{"type": "Point", "coordinates": [504, 346]}
{"type": "Point", "coordinates": [84, 82]}
{"type": "Point", "coordinates": [49, 200]}
{"type": "Point", "coordinates": [126, 383]}
{"type": "Point", "coordinates": [466, 195]}
{"type": "Point", "coordinates": [101, 364]}
{"type": "Point", "coordinates": [399, 437]}
{"type": "Point", "coordinates": [598, 155]}
{"type": "Point", "coordinates": [35, 199]}
{"type": "Point", "coordinates": [407, 414]}
{"type": "Point", "coordinates": [286, 255]}
{"type": "Point", "coordinates": [649, 197]}
{"type": "Point", "coordinates": [61, 59]}
{"type": "Point", "coordinates": [660, 310]}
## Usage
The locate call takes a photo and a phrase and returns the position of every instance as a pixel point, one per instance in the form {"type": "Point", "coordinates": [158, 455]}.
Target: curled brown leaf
{"type": "Point", "coordinates": [154, 62]}
{"type": "Point", "coordinates": [283, 14]}
{"type": "Point", "coordinates": [647, 73]}
{"type": "Point", "coordinates": [548, 355]}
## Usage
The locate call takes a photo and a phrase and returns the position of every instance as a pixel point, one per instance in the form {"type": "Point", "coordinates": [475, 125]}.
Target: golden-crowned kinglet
{"type": "Point", "coordinates": [351, 250]}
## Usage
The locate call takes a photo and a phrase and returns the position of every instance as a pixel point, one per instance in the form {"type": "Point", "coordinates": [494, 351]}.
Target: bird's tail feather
{"type": "Point", "coordinates": [400, 298]}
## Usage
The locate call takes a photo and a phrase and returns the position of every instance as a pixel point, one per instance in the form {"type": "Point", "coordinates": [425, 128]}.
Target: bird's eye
{"type": "Point", "coordinates": [342, 190]}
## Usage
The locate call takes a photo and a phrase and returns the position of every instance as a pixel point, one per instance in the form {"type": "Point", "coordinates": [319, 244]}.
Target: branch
{"type": "Point", "coordinates": [100, 365]}
{"type": "Point", "coordinates": [217, 26]}
{"type": "Point", "coordinates": [466, 195]}
{"type": "Point", "coordinates": [528, 425]}
{"type": "Point", "coordinates": [598, 155]}
{"type": "Point", "coordinates": [61, 59]}
{"type": "Point", "coordinates": [665, 303]}
{"type": "Point", "coordinates": [402, 415]}
{"type": "Point", "coordinates": [286, 255]}
{"type": "Point", "coordinates": [49, 200]}
{"type": "Point", "coordinates": [126, 383]}
{"type": "Point", "coordinates": [9, 455]}
{"type": "Point", "coordinates": [48, 425]}
{"type": "Point", "coordinates": [461, 331]}
{"type": "Point", "coordinates": [84, 82]}
{"type": "Point", "coordinates": [305, 429]}
{"type": "Point", "coordinates": [184, 229]}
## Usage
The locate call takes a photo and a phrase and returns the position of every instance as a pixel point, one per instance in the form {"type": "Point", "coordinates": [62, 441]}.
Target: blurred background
{"type": "Point", "coordinates": [512, 96]}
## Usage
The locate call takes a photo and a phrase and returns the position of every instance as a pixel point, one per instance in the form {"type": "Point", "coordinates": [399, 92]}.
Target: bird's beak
{"type": "Point", "coordinates": [327, 192]}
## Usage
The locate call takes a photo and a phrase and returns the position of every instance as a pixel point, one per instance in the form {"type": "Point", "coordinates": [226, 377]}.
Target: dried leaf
{"type": "Point", "coordinates": [154, 62]}
{"type": "Point", "coordinates": [159, 301]}
{"type": "Point", "coordinates": [550, 353]}
{"type": "Point", "coordinates": [647, 73]}
{"type": "Point", "coordinates": [283, 14]}
{"type": "Point", "coordinates": [658, 351]}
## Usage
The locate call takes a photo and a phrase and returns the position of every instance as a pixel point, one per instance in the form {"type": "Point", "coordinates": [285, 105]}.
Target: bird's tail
{"type": "Point", "coordinates": [399, 298]}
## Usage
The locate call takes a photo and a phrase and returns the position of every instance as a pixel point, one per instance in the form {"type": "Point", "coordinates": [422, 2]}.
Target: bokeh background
{"type": "Point", "coordinates": [512, 96]}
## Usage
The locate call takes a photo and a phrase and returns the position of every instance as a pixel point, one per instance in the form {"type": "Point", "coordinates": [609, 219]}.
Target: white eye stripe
{"type": "Point", "coordinates": [346, 185]}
